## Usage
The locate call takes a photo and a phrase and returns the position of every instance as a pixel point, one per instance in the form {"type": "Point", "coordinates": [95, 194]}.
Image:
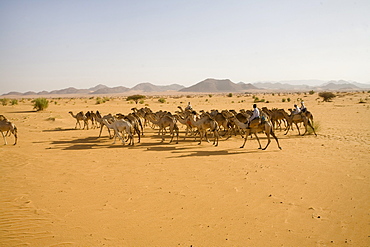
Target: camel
{"type": "Point", "coordinates": [121, 126]}
{"type": "Point", "coordinates": [186, 122]}
{"type": "Point", "coordinates": [222, 121]}
{"type": "Point", "coordinates": [99, 119]}
{"type": "Point", "coordinates": [203, 124]}
{"type": "Point", "coordinates": [163, 123]}
{"type": "Point", "coordinates": [254, 128]}
{"type": "Point", "coordinates": [297, 118]}
{"type": "Point", "coordinates": [80, 117]}
{"type": "Point", "coordinates": [134, 121]}
{"type": "Point", "coordinates": [276, 117]}
{"type": "Point", "coordinates": [6, 125]}
{"type": "Point", "coordinates": [90, 115]}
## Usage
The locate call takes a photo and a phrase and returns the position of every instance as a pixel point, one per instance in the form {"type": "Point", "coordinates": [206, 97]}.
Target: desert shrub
{"type": "Point", "coordinates": [362, 101]}
{"type": "Point", "coordinates": [326, 96]}
{"type": "Point", "coordinates": [14, 102]}
{"type": "Point", "coordinates": [283, 100]}
{"type": "Point", "coordinates": [135, 98]}
{"type": "Point", "coordinates": [311, 92]}
{"type": "Point", "coordinates": [4, 101]}
{"type": "Point", "coordinates": [210, 95]}
{"type": "Point", "coordinates": [141, 102]}
{"type": "Point", "coordinates": [288, 99]}
{"type": "Point", "coordinates": [162, 100]}
{"type": "Point", "coordinates": [256, 99]}
{"type": "Point", "coordinates": [229, 95]}
{"type": "Point", "coordinates": [40, 104]}
{"type": "Point", "coordinates": [316, 125]}
{"type": "Point", "coordinates": [99, 101]}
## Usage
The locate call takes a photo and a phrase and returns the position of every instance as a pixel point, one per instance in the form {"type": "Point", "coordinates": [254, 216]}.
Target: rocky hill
{"type": "Point", "coordinates": [219, 86]}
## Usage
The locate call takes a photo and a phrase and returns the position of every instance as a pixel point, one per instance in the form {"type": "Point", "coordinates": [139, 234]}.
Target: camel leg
{"type": "Point", "coordinates": [245, 139]}
{"type": "Point", "coordinates": [215, 142]}
{"type": "Point", "coordinates": [258, 139]}
{"type": "Point", "coordinates": [5, 142]}
{"type": "Point", "coordinates": [201, 136]}
{"type": "Point", "coordinates": [277, 141]}
{"type": "Point", "coordinates": [101, 129]}
{"type": "Point", "coordinates": [309, 124]}
{"type": "Point", "coordinates": [177, 135]}
{"type": "Point", "coordinates": [299, 132]}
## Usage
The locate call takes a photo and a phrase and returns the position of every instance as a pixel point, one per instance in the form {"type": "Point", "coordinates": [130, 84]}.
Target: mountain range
{"type": "Point", "coordinates": [212, 86]}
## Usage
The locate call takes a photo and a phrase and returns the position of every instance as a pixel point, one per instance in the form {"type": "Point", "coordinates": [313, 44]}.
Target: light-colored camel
{"type": "Point", "coordinates": [295, 119]}
{"type": "Point", "coordinates": [80, 117]}
{"type": "Point", "coordinates": [121, 126]}
{"type": "Point", "coordinates": [256, 127]}
{"type": "Point", "coordinates": [7, 126]}
{"type": "Point", "coordinates": [99, 119]}
{"type": "Point", "coordinates": [164, 122]}
{"type": "Point", "coordinates": [134, 121]}
{"type": "Point", "coordinates": [203, 124]}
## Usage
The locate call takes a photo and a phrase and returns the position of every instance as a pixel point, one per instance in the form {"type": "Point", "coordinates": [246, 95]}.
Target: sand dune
{"type": "Point", "coordinates": [65, 187]}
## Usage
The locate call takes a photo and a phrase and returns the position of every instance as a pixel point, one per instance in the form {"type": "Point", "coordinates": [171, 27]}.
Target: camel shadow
{"type": "Point", "coordinates": [59, 129]}
{"type": "Point", "coordinates": [23, 111]}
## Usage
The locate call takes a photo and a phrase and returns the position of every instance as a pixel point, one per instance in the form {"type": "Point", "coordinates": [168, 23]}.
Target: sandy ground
{"type": "Point", "coordinates": [65, 187]}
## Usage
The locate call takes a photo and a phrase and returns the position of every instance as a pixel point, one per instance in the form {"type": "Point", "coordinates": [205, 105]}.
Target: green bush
{"type": "Point", "coordinates": [230, 95]}
{"type": "Point", "coordinates": [326, 96]}
{"type": "Point", "coordinates": [311, 92]}
{"type": "Point", "coordinates": [316, 125]}
{"type": "Point", "coordinates": [288, 99]}
{"type": "Point", "coordinates": [283, 100]}
{"type": "Point", "coordinates": [135, 98]}
{"type": "Point", "coordinates": [40, 104]}
{"type": "Point", "coordinates": [4, 101]}
{"type": "Point", "coordinates": [162, 100]}
{"type": "Point", "coordinates": [14, 102]}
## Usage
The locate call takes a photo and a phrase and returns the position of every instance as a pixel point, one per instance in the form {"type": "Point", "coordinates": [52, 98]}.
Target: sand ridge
{"type": "Point", "coordinates": [65, 187]}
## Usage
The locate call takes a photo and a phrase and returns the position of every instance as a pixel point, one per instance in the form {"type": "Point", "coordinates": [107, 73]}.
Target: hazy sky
{"type": "Point", "coordinates": [47, 45]}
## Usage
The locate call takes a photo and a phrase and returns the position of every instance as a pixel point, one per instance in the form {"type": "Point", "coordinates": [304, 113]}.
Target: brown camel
{"type": "Point", "coordinates": [7, 126]}
{"type": "Point", "coordinates": [298, 118]}
{"type": "Point", "coordinates": [80, 117]}
{"type": "Point", "coordinates": [166, 121]}
{"type": "Point", "coordinates": [203, 124]}
{"type": "Point", "coordinates": [255, 127]}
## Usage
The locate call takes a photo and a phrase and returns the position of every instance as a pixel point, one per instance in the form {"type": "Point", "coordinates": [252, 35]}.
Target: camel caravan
{"type": "Point", "coordinates": [198, 125]}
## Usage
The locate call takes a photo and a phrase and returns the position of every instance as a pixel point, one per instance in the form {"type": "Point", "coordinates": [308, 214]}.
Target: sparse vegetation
{"type": "Point", "coordinates": [40, 104]}
{"type": "Point", "coordinates": [316, 125]}
{"type": "Point", "coordinates": [4, 101]}
{"type": "Point", "coordinates": [362, 101]}
{"type": "Point", "coordinates": [283, 99]}
{"type": "Point", "coordinates": [311, 92]}
{"type": "Point", "coordinates": [327, 96]}
{"type": "Point", "coordinates": [230, 95]}
{"type": "Point", "coordinates": [136, 98]}
{"type": "Point", "coordinates": [162, 100]}
{"type": "Point", "coordinates": [14, 102]}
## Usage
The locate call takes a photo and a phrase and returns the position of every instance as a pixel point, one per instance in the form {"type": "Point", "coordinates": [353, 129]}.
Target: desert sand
{"type": "Point", "coordinates": [62, 186]}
